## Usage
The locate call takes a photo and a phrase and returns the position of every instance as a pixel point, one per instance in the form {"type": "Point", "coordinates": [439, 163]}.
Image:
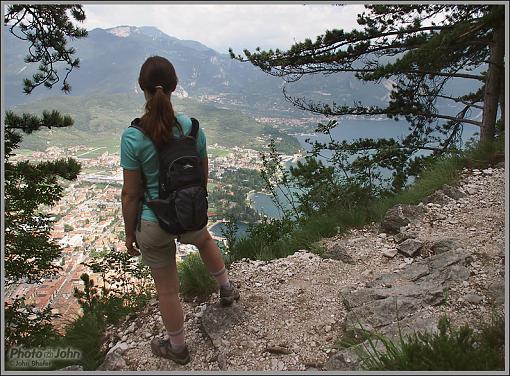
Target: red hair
{"type": "Point", "coordinates": [158, 79]}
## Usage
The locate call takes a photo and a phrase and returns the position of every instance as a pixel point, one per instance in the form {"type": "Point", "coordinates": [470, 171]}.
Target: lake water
{"type": "Point", "coordinates": [217, 227]}
{"type": "Point", "coordinates": [348, 130]}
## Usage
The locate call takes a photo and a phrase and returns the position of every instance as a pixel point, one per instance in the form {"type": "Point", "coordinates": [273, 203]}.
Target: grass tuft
{"type": "Point", "coordinates": [195, 280]}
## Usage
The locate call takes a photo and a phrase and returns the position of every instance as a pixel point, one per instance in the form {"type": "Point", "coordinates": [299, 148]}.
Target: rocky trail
{"type": "Point", "coordinates": [445, 255]}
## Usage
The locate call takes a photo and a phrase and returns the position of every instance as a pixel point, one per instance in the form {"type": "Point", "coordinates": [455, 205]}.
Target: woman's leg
{"type": "Point", "coordinates": [213, 260]}
{"type": "Point", "coordinates": [167, 285]}
{"type": "Point", "coordinates": [211, 255]}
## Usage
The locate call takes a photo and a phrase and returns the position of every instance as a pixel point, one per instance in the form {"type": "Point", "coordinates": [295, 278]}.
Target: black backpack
{"type": "Point", "coordinates": [182, 202]}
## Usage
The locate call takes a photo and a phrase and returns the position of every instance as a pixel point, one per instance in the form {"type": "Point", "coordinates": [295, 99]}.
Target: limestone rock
{"type": "Point", "coordinates": [113, 362]}
{"type": "Point", "coordinates": [338, 253]}
{"type": "Point", "coordinates": [390, 253]}
{"type": "Point", "coordinates": [217, 320]}
{"type": "Point", "coordinates": [74, 367]}
{"type": "Point", "coordinates": [444, 245]}
{"type": "Point", "coordinates": [452, 192]}
{"type": "Point", "coordinates": [437, 197]}
{"type": "Point", "coordinates": [472, 298]}
{"type": "Point", "coordinates": [399, 216]}
{"type": "Point", "coordinates": [496, 291]}
{"type": "Point", "coordinates": [345, 360]}
{"type": "Point", "coordinates": [410, 247]}
{"type": "Point", "coordinates": [404, 235]}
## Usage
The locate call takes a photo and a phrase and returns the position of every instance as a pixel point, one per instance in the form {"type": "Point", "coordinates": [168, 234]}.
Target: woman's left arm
{"type": "Point", "coordinates": [131, 194]}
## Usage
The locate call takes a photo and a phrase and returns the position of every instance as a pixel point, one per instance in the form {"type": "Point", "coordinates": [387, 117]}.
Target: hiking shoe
{"type": "Point", "coordinates": [163, 348]}
{"type": "Point", "coordinates": [228, 295]}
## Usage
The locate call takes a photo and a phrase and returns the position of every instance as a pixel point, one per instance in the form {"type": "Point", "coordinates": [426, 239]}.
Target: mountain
{"type": "Point", "coordinates": [110, 60]}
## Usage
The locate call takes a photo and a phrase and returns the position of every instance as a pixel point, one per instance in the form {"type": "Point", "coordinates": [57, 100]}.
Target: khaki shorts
{"type": "Point", "coordinates": [158, 246]}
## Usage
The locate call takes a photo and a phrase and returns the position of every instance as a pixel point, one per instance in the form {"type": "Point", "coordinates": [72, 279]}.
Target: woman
{"type": "Point", "coordinates": [158, 80]}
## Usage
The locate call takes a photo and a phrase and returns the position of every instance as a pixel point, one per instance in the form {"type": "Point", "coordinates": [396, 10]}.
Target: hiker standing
{"type": "Point", "coordinates": [173, 201]}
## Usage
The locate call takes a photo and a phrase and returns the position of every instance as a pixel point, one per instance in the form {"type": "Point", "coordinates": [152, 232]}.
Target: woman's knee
{"type": "Point", "coordinates": [204, 241]}
{"type": "Point", "coordinates": [166, 280]}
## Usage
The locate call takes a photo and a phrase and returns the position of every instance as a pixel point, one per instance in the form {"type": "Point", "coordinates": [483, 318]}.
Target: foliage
{"type": "Point", "coordinates": [29, 251]}
{"type": "Point", "coordinates": [229, 233]}
{"type": "Point", "coordinates": [85, 334]}
{"type": "Point", "coordinates": [278, 181]}
{"type": "Point", "coordinates": [195, 279]}
{"type": "Point", "coordinates": [47, 28]}
{"type": "Point", "coordinates": [28, 326]}
{"type": "Point", "coordinates": [448, 349]}
{"type": "Point", "coordinates": [431, 57]}
{"type": "Point", "coordinates": [126, 285]}
{"type": "Point", "coordinates": [280, 238]}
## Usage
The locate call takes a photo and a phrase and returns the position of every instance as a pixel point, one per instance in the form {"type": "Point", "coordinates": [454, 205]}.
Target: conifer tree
{"type": "Point", "coordinates": [30, 254]}
{"type": "Point", "coordinates": [424, 52]}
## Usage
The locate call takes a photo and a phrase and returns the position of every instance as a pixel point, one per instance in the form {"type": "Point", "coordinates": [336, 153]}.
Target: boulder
{"type": "Point", "coordinates": [217, 320]}
{"type": "Point", "coordinates": [394, 299]}
{"type": "Point", "coordinates": [410, 247]}
{"type": "Point", "coordinates": [472, 298]}
{"type": "Point", "coordinates": [438, 197]}
{"type": "Point", "coordinates": [390, 253]}
{"type": "Point", "coordinates": [404, 235]}
{"type": "Point", "coordinates": [338, 252]}
{"type": "Point", "coordinates": [74, 367]}
{"type": "Point", "coordinates": [113, 362]}
{"type": "Point", "coordinates": [399, 216]}
{"type": "Point", "coordinates": [496, 291]}
{"type": "Point", "coordinates": [345, 360]}
{"type": "Point", "coordinates": [444, 245]}
{"type": "Point", "coordinates": [452, 192]}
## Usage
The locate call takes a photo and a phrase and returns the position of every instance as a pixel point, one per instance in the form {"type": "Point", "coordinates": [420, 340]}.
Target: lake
{"type": "Point", "coordinates": [349, 130]}
{"type": "Point", "coordinates": [217, 227]}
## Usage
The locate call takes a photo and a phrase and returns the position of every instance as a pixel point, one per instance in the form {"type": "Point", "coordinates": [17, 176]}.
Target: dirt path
{"type": "Point", "coordinates": [291, 312]}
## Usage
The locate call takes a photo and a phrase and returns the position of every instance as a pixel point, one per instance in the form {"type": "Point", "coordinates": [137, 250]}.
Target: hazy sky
{"type": "Point", "coordinates": [220, 26]}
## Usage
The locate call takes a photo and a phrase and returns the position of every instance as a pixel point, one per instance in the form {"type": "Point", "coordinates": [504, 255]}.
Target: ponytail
{"type": "Point", "coordinates": [158, 79]}
{"type": "Point", "coordinates": [159, 119]}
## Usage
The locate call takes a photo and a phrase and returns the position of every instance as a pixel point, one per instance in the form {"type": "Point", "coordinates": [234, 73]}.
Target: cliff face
{"type": "Point", "coordinates": [446, 256]}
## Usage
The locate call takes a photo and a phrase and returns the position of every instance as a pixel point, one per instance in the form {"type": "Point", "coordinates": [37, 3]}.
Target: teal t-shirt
{"type": "Point", "coordinates": [137, 151]}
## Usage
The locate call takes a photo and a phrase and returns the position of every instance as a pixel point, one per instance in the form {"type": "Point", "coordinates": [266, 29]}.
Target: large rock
{"type": "Point", "coordinates": [438, 197]}
{"type": "Point", "coordinates": [399, 216]}
{"type": "Point", "coordinates": [378, 313]}
{"type": "Point", "coordinates": [401, 236]}
{"type": "Point", "coordinates": [216, 320]}
{"type": "Point", "coordinates": [496, 291]}
{"type": "Point", "coordinates": [398, 299]}
{"type": "Point", "coordinates": [345, 360]}
{"type": "Point", "coordinates": [349, 359]}
{"type": "Point", "coordinates": [444, 245]}
{"type": "Point", "coordinates": [74, 367]}
{"type": "Point", "coordinates": [338, 252]}
{"type": "Point", "coordinates": [452, 192]}
{"type": "Point", "coordinates": [113, 362]}
{"type": "Point", "coordinates": [410, 247]}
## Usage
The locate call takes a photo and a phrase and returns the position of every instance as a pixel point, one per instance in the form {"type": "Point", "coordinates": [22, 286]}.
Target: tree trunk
{"type": "Point", "coordinates": [493, 84]}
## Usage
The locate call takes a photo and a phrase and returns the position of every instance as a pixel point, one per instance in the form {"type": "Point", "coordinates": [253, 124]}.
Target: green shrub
{"type": "Point", "coordinates": [279, 238]}
{"type": "Point", "coordinates": [85, 334]}
{"type": "Point", "coordinates": [448, 349]}
{"type": "Point", "coordinates": [195, 280]}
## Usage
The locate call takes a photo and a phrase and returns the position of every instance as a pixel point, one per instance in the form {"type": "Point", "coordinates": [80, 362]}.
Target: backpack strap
{"type": "Point", "coordinates": [136, 124]}
{"type": "Point", "coordinates": [194, 128]}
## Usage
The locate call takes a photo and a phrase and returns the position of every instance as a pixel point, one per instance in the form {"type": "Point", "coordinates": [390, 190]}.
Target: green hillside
{"type": "Point", "coordinates": [100, 120]}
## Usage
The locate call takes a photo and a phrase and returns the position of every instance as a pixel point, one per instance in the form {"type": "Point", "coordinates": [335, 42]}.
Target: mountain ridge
{"type": "Point", "coordinates": [111, 63]}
